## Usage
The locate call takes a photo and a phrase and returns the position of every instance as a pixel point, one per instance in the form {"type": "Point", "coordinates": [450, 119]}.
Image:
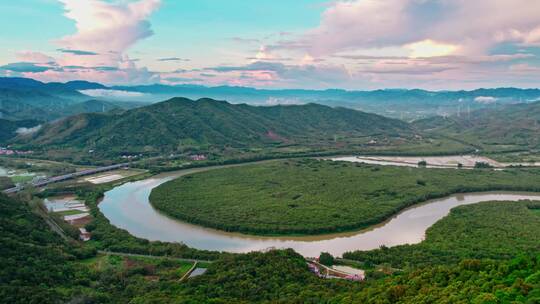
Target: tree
{"type": "Point", "coordinates": [482, 165]}
{"type": "Point", "coordinates": [326, 259]}
{"type": "Point", "coordinates": [5, 183]}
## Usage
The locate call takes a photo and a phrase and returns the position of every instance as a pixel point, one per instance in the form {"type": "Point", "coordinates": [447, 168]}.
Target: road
{"type": "Point", "coordinates": [153, 257]}
{"type": "Point", "coordinates": [51, 180]}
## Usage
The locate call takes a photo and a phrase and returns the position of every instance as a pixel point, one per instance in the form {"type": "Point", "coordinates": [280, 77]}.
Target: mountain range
{"type": "Point", "coordinates": [181, 123]}
{"type": "Point", "coordinates": [506, 127]}
{"type": "Point", "coordinates": [22, 98]}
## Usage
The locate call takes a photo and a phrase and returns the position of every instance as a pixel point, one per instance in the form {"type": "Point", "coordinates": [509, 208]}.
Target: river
{"type": "Point", "coordinates": [127, 206]}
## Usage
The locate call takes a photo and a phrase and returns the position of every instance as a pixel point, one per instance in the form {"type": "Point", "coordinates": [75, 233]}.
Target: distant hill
{"type": "Point", "coordinates": [90, 106]}
{"type": "Point", "coordinates": [404, 104]}
{"type": "Point", "coordinates": [398, 103]}
{"type": "Point", "coordinates": [28, 104]}
{"type": "Point", "coordinates": [83, 85]}
{"type": "Point", "coordinates": [502, 128]}
{"type": "Point", "coordinates": [178, 122]}
{"type": "Point", "coordinates": [24, 99]}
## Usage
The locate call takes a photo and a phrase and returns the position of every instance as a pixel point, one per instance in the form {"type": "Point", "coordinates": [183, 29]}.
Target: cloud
{"type": "Point", "coordinates": [111, 93]}
{"type": "Point", "coordinates": [104, 26]}
{"type": "Point", "coordinates": [429, 48]}
{"type": "Point", "coordinates": [25, 67]}
{"type": "Point", "coordinates": [172, 59]}
{"type": "Point", "coordinates": [35, 57]}
{"type": "Point", "coordinates": [362, 24]}
{"type": "Point", "coordinates": [273, 101]}
{"type": "Point", "coordinates": [182, 79]}
{"type": "Point", "coordinates": [276, 72]}
{"type": "Point", "coordinates": [245, 40]}
{"type": "Point", "coordinates": [404, 68]}
{"type": "Point", "coordinates": [524, 68]}
{"type": "Point", "coordinates": [25, 131]}
{"type": "Point", "coordinates": [105, 30]}
{"type": "Point", "coordinates": [78, 52]}
{"type": "Point", "coordinates": [485, 99]}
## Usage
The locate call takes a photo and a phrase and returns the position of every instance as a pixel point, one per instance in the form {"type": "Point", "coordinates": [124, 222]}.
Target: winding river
{"type": "Point", "coordinates": [127, 206]}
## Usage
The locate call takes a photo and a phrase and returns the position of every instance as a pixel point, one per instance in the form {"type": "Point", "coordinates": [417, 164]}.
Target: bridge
{"type": "Point", "coordinates": [56, 179]}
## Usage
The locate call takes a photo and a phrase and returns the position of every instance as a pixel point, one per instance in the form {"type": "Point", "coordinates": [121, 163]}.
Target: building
{"type": "Point", "coordinates": [198, 157]}
{"type": "Point", "coordinates": [84, 235]}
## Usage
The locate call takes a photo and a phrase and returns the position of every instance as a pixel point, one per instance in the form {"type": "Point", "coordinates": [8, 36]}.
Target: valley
{"type": "Point", "coordinates": [270, 152]}
{"type": "Point", "coordinates": [248, 194]}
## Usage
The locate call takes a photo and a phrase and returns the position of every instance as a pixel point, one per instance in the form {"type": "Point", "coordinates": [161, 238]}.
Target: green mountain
{"type": "Point", "coordinates": [32, 104]}
{"type": "Point", "coordinates": [504, 127]}
{"type": "Point", "coordinates": [91, 106]}
{"type": "Point", "coordinates": [22, 98]}
{"type": "Point", "coordinates": [178, 122]}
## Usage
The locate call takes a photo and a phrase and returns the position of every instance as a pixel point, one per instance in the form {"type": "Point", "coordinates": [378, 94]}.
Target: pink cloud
{"type": "Point", "coordinates": [35, 57]}
{"type": "Point", "coordinates": [474, 26]}
{"type": "Point", "coordinates": [105, 31]}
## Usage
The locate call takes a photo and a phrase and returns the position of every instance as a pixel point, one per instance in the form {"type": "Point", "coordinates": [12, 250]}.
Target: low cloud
{"type": "Point", "coordinates": [26, 131]}
{"type": "Point", "coordinates": [273, 101]}
{"type": "Point", "coordinates": [485, 99]}
{"type": "Point", "coordinates": [111, 93]}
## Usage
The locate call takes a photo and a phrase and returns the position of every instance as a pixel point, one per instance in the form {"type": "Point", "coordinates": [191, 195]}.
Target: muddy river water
{"type": "Point", "coordinates": [127, 207]}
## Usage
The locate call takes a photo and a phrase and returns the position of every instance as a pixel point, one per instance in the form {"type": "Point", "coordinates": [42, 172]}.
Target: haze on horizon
{"type": "Point", "coordinates": [316, 44]}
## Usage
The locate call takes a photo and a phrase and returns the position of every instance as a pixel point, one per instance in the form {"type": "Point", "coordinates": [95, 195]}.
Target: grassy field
{"type": "Point", "coordinates": [494, 230]}
{"type": "Point", "coordinates": [314, 197]}
{"type": "Point", "coordinates": [69, 212]}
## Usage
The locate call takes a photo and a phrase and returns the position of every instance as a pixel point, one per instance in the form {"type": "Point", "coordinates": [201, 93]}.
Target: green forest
{"type": "Point", "coordinates": [37, 266]}
{"type": "Point", "coordinates": [488, 230]}
{"type": "Point", "coordinates": [313, 196]}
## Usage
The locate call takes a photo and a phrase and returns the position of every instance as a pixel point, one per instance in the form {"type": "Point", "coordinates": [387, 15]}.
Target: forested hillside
{"type": "Point", "coordinates": [507, 127]}
{"type": "Point", "coordinates": [36, 266]}
{"type": "Point", "coordinates": [180, 122]}
{"type": "Point", "coordinates": [8, 128]}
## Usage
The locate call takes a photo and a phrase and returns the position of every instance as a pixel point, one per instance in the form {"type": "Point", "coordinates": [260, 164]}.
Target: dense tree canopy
{"type": "Point", "coordinates": [494, 230]}
{"type": "Point", "coordinates": [313, 197]}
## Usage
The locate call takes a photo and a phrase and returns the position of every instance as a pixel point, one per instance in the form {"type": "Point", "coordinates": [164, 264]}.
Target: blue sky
{"type": "Point", "coordinates": [353, 44]}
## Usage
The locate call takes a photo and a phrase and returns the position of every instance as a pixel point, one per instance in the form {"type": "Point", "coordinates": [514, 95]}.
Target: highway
{"type": "Point", "coordinates": [56, 179]}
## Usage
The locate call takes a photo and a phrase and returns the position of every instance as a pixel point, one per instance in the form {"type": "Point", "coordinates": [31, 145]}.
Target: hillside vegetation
{"type": "Point", "coordinates": [504, 128]}
{"type": "Point", "coordinates": [8, 128]}
{"type": "Point", "coordinates": [27, 99]}
{"type": "Point", "coordinates": [181, 123]}
{"type": "Point", "coordinates": [38, 267]}
{"type": "Point", "coordinates": [314, 197]}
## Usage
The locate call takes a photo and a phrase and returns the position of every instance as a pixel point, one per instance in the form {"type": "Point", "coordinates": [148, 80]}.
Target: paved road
{"type": "Point", "coordinates": [51, 180]}
{"type": "Point", "coordinates": [152, 256]}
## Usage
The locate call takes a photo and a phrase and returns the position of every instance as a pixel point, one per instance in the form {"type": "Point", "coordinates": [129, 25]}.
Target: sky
{"type": "Point", "coordinates": [310, 44]}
